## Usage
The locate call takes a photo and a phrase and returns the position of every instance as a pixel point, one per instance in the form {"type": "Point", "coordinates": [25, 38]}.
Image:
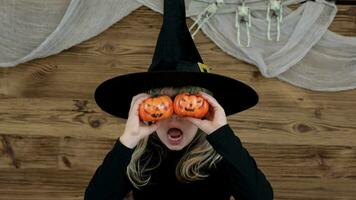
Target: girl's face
{"type": "Point", "coordinates": [176, 132]}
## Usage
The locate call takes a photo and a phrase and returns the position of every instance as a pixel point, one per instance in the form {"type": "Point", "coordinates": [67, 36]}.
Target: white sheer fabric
{"type": "Point", "coordinates": [307, 54]}
{"type": "Point", "coordinates": [32, 29]}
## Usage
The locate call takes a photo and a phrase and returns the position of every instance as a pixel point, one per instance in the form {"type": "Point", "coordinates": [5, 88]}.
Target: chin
{"type": "Point", "coordinates": [175, 147]}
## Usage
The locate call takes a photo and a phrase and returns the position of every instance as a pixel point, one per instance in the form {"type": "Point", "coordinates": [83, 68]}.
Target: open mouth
{"type": "Point", "coordinates": [175, 135]}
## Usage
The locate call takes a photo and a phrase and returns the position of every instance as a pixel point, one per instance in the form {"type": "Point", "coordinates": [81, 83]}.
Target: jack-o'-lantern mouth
{"type": "Point", "coordinates": [156, 115]}
{"type": "Point", "coordinates": [189, 109]}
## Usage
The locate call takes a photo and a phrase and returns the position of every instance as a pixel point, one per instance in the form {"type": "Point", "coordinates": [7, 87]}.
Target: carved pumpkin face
{"type": "Point", "coordinates": [191, 105]}
{"type": "Point", "coordinates": [156, 108]}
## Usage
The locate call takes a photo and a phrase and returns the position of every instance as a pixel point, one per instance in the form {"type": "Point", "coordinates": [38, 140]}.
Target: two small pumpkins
{"type": "Point", "coordinates": [162, 107]}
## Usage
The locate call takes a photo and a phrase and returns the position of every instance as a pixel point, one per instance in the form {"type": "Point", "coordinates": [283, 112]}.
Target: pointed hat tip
{"type": "Point", "coordinates": [175, 43]}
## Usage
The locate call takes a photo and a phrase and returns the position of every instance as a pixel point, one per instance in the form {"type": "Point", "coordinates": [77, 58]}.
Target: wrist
{"type": "Point", "coordinates": [216, 128]}
{"type": "Point", "coordinates": [128, 140]}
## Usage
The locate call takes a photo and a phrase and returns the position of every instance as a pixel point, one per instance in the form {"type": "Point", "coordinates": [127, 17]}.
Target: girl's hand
{"type": "Point", "coordinates": [135, 129]}
{"type": "Point", "coordinates": [215, 118]}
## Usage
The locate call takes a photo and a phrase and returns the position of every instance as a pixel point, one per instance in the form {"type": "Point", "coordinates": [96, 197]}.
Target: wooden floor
{"type": "Point", "coordinates": [53, 135]}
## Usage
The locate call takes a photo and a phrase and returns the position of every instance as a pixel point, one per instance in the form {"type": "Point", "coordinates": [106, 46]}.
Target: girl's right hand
{"type": "Point", "coordinates": [135, 129]}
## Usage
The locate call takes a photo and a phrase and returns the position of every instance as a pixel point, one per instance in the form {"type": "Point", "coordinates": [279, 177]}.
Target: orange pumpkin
{"type": "Point", "coordinates": [156, 108]}
{"type": "Point", "coordinates": [190, 105]}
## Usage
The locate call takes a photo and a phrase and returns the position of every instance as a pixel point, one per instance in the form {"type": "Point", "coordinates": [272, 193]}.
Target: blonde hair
{"type": "Point", "coordinates": [193, 165]}
{"type": "Point", "coordinates": [148, 154]}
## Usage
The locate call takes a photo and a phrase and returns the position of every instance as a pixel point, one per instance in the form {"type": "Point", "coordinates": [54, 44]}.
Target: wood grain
{"type": "Point", "coordinates": [53, 136]}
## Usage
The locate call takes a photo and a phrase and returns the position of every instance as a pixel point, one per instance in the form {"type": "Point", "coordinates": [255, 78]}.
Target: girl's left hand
{"type": "Point", "coordinates": [215, 118]}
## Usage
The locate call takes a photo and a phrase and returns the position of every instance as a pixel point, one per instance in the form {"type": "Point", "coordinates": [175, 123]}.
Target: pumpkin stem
{"type": "Point", "coordinates": [153, 92]}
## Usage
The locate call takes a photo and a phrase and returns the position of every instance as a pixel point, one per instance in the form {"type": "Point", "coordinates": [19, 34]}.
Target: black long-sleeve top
{"type": "Point", "coordinates": [236, 174]}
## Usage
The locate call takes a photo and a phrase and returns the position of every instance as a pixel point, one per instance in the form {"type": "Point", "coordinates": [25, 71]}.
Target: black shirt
{"type": "Point", "coordinates": [236, 175]}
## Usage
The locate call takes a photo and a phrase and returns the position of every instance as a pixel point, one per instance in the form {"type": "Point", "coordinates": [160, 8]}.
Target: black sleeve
{"type": "Point", "coordinates": [247, 181]}
{"type": "Point", "coordinates": [110, 181]}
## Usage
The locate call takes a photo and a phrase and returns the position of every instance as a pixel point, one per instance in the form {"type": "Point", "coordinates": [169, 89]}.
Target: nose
{"type": "Point", "coordinates": [174, 117]}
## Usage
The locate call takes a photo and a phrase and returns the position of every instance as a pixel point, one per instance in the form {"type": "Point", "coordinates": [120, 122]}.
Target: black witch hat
{"type": "Point", "coordinates": [176, 63]}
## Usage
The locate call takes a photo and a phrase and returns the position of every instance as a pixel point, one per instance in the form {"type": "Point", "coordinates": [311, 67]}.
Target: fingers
{"type": "Point", "coordinates": [195, 121]}
{"type": "Point", "coordinates": [135, 103]}
{"type": "Point", "coordinates": [153, 127]}
{"type": "Point", "coordinates": [212, 101]}
{"type": "Point", "coordinates": [136, 100]}
{"type": "Point", "coordinates": [204, 125]}
{"type": "Point", "coordinates": [148, 129]}
{"type": "Point", "coordinates": [138, 97]}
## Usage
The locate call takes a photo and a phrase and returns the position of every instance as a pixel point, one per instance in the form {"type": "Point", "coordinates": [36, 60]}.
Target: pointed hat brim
{"type": "Point", "coordinates": [114, 95]}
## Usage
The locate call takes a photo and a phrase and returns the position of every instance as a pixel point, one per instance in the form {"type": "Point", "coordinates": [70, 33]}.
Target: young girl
{"type": "Point", "coordinates": [207, 162]}
{"type": "Point", "coordinates": [178, 157]}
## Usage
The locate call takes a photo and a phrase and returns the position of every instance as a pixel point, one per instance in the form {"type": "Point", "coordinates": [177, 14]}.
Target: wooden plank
{"type": "Point", "coordinates": [313, 188]}
{"type": "Point", "coordinates": [345, 21]}
{"type": "Point", "coordinates": [291, 121]}
{"type": "Point", "coordinates": [35, 184]}
{"type": "Point", "coordinates": [69, 153]}
{"type": "Point", "coordinates": [57, 117]}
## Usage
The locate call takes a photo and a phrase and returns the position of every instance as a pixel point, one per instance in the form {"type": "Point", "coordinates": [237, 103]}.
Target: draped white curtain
{"type": "Point", "coordinates": [32, 29]}
{"type": "Point", "coordinates": [307, 54]}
